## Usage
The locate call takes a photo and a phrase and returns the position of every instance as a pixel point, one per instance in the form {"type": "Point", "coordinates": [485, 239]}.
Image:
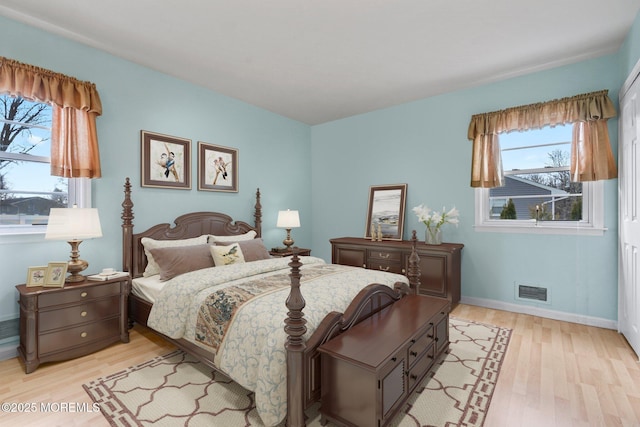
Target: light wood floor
{"type": "Point", "coordinates": [554, 374]}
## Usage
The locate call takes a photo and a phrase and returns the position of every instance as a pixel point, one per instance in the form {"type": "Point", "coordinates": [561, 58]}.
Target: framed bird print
{"type": "Point", "coordinates": [166, 161]}
{"type": "Point", "coordinates": [217, 168]}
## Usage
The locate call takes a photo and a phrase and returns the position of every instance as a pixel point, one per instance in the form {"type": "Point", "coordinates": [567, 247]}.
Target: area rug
{"type": "Point", "coordinates": [175, 389]}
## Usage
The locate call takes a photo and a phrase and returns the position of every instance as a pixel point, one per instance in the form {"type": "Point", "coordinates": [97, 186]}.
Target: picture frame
{"type": "Point", "coordinates": [36, 276]}
{"type": "Point", "coordinates": [387, 204]}
{"type": "Point", "coordinates": [56, 274]}
{"type": "Point", "coordinates": [217, 168]}
{"type": "Point", "coordinates": [165, 161]}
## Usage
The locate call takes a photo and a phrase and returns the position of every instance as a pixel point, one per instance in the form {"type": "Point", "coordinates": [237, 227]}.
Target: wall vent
{"type": "Point", "coordinates": [532, 292]}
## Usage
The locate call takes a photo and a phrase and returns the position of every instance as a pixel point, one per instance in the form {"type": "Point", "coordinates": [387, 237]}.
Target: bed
{"type": "Point", "coordinates": [267, 344]}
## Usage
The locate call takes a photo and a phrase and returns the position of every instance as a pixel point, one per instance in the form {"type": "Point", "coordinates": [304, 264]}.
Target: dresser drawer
{"type": "Point", "coordinates": [420, 344]}
{"type": "Point", "coordinates": [388, 256]}
{"type": "Point", "coordinates": [385, 266]}
{"type": "Point", "coordinates": [73, 295]}
{"type": "Point", "coordinates": [81, 313]}
{"type": "Point", "coordinates": [79, 335]}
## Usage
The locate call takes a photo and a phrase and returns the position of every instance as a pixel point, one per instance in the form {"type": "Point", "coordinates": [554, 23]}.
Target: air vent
{"type": "Point", "coordinates": [532, 292]}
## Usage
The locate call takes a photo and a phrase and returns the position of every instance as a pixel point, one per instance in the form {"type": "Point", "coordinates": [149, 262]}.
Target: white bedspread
{"type": "Point", "coordinates": [252, 352]}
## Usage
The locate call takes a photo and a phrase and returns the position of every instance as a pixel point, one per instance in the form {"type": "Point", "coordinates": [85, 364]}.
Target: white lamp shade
{"type": "Point", "coordinates": [288, 219]}
{"type": "Point", "coordinates": [73, 224]}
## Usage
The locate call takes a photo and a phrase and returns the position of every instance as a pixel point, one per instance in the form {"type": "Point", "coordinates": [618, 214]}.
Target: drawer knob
{"type": "Point", "coordinates": [84, 294]}
{"type": "Point", "coordinates": [83, 314]}
{"type": "Point", "coordinates": [413, 341]}
{"type": "Point", "coordinates": [83, 335]}
{"type": "Point", "coordinates": [383, 269]}
{"type": "Point", "coordinates": [393, 359]}
{"type": "Point", "coordinates": [413, 353]}
{"type": "Point", "coordinates": [414, 377]}
{"type": "Point", "coordinates": [383, 255]}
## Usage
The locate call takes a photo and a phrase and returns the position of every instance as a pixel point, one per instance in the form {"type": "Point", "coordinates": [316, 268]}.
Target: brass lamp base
{"type": "Point", "coordinates": [288, 241]}
{"type": "Point", "coordinates": [76, 265]}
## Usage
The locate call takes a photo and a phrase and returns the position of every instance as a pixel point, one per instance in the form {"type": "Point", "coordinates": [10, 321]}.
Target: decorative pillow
{"type": "Point", "coordinates": [177, 260]}
{"type": "Point", "coordinates": [249, 235]}
{"type": "Point", "coordinates": [227, 255]}
{"type": "Point", "coordinates": [152, 266]}
{"type": "Point", "coordinates": [252, 250]}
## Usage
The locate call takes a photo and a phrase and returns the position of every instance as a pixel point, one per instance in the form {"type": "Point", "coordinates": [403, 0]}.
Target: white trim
{"type": "Point", "coordinates": [592, 206]}
{"type": "Point", "coordinates": [542, 312]}
{"type": "Point", "coordinates": [8, 350]}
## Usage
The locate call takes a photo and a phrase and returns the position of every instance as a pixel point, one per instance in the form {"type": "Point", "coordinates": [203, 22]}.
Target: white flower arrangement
{"type": "Point", "coordinates": [434, 219]}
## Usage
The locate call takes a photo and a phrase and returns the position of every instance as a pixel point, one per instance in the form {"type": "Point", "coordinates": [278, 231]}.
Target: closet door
{"type": "Point", "coordinates": [629, 209]}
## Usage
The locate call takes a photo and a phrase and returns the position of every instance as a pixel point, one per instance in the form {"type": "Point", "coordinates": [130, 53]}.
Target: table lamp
{"type": "Point", "coordinates": [74, 225]}
{"type": "Point", "coordinates": [288, 219]}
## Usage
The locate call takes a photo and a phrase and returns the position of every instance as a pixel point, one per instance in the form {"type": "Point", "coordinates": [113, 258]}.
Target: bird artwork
{"type": "Point", "coordinates": [231, 256]}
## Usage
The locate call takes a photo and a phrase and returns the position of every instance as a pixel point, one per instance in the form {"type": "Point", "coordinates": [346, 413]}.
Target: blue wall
{"type": "Point", "coordinates": [325, 171]}
{"type": "Point", "coordinates": [274, 154]}
{"type": "Point", "coordinates": [424, 144]}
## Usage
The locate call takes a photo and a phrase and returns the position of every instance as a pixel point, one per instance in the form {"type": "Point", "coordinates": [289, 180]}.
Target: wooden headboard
{"type": "Point", "coordinates": [185, 226]}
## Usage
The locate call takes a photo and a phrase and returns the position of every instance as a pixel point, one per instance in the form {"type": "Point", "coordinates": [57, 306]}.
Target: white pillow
{"type": "Point", "coordinates": [240, 237]}
{"type": "Point", "coordinates": [152, 266]}
{"type": "Point", "coordinates": [227, 255]}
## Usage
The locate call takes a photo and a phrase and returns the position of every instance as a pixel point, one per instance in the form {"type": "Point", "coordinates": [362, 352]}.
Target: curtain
{"type": "Point", "coordinates": [75, 105]}
{"type": "Point", "coordinates": [591, 155]}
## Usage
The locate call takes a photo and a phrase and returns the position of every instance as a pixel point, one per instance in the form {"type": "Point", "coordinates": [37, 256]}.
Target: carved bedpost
{"type": "Point", "coordinates": [413, 272]}
{"type": "Point", "coordinates": [258, 214]}
{"type": "Point", "coordinates": [295, 329]}
{"type": "Point", "coordinates": [127, 227]}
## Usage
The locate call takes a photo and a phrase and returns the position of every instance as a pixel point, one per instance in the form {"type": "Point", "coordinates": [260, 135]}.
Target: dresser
{"type": "Point", "coordinates": [369, 371]}
{"type": "Point", "coordinates": [63, 323]}
{"type": "Point", "coordinates": [439, 264]}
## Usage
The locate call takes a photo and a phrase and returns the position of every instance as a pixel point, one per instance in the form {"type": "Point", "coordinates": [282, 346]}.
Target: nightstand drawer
{"type": "Point", "coordinates": [82, 313]}
{"type": "Point", "coordinates": [74, 295]}
{"type": "Point", "coordinates": [67, 338]}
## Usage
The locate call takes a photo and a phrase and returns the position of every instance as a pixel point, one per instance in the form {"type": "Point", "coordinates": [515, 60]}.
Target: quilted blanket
{"type": "Point", "coordinates": [238, 311]}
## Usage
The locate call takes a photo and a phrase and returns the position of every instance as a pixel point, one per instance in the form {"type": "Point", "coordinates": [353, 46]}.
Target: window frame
{"type": "Point", "coordinates": [592, 222]}
{"type": "Point", "coordinates": [592, 205]}
{"type": "Point", "coordinates": [78, 192]}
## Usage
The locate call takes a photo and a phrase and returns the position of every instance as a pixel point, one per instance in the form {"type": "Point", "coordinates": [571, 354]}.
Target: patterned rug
{"type": "Point", "coordinates": [175, 389]}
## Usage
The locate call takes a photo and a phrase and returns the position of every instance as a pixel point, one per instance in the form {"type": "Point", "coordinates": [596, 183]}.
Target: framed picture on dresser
{"type": "Point", "coordinates": [36, 275]}
{"type": "Point", "coordinates": [386, 211]}
{"type": "Point", "coordinates": [56, 274]}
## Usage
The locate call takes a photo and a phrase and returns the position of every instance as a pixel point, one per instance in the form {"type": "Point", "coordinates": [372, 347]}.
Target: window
{"type": "Point", "coordinates": [538, 195]}
{"type": "Point", "coordinates": [27, 189]}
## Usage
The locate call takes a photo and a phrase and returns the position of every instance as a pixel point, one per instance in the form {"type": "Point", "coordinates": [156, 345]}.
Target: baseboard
{"type": "Point", "coordinates": [542, 312]}
{"type": "Point", "coordinates": [8, 350]}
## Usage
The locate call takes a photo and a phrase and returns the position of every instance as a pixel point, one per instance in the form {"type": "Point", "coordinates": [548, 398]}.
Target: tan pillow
{"type": "Point", "coordinates": [252, 250]}
{"type": "Point", "coordinates": [177, 260]}
{"type": "Point", "coordinates": [249, 235]}
{"type": "Point", "coordinates": [227, 255]}
{"type": "Point", "coordinates": [152, 266]}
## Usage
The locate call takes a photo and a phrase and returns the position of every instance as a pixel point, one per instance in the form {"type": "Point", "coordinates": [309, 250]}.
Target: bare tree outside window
{"type": "Point", "coordinates": [27, 189]}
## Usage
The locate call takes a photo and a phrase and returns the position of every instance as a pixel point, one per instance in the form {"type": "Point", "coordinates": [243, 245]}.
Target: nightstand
{"type": "Point", "coordinates": [288, 252]}
{"type": "Point", "coordinates": [64, 323]}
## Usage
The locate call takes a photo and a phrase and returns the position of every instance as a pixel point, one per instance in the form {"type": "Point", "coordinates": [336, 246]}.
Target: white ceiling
{"type": "Point", "coordinates": [321, 60]}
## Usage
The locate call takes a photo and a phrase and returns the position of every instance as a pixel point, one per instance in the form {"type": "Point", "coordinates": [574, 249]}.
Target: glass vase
{"type": "Point", "coordinates": [433, 236]}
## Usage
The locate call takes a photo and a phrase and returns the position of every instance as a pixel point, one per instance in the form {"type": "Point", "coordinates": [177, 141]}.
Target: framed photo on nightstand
{"type": "Point", "coordinates": [55, 275]}
{"type": "Point", "coordinates": [36, 275]}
